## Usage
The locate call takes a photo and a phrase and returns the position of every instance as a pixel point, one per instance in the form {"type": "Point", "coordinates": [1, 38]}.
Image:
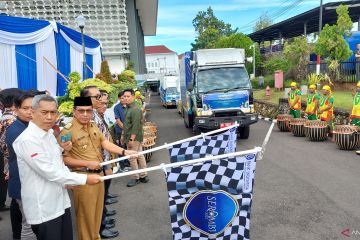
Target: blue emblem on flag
{"type": "Point", "coordinates": [210, 212]}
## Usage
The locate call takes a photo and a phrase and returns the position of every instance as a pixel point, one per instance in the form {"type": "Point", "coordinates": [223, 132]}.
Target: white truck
{"type": "Point", "coordinates": [169, 90]}
{"type": "Point", "coordinates": [216, 90]}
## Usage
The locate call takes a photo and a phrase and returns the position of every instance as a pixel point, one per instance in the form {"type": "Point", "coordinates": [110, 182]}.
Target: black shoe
{"type": "Point", "coordinates": [110, 201]}
{"type": "Point", "coordinates": [144, 179]}
{"type": "Point", "coordinates": [111, 195]}
{"type": "Point", "coordinates": [107, 233]}
{"type": "Point", "coordinates": [110, 221]}
{"type": "Point", "coordinates": [133, 182]}
{"type": "Point", "coordinates": [108, 226]}
{"type": "Point", "coordinates": [4, 208]}
{"type": "Point", "coordinates": [110, 213]}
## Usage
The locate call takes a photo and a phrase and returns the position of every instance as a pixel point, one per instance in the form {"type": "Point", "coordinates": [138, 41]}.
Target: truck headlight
{"type": "Point", "coordinates": [203, 113]}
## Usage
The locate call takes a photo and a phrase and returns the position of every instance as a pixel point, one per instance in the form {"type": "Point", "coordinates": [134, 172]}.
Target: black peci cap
{"type": "Point", "coordinates": [82, 101]}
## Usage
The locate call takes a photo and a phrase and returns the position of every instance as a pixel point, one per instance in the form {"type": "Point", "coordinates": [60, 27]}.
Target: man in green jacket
{"type": "Point", "coordinates": [133, 137]}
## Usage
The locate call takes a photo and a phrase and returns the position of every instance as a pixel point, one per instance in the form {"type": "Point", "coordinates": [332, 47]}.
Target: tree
{"type": "Point", "coordinates": [207, 39]}
{"type": "Point", "coordinates": [264, 22]}
{"type": "Point", "coordinates": [331, 43]}
{"type": "Point", "coordinates": [297, 53]}
{"type": "Point", "coordinates": [105, 72]}
{"type": "Point", "coordinates": [209, 28]}
{"type": "Point", "coordinates": [239, 40]}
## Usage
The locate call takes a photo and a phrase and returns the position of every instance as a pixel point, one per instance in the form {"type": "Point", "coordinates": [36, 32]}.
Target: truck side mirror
{"type": "Point", "coordinates": [190, 87]}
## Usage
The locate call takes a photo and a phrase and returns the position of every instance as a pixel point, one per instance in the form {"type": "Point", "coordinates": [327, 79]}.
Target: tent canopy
{"type": "Point", "coordinates": [33, 52]}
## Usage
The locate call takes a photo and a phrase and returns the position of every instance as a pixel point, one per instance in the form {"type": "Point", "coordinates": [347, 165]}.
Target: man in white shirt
{"type": "Point", "coordinates": [43, 175]}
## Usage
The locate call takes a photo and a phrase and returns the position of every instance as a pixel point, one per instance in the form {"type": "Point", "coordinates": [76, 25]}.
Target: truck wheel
{"type": "Point", "coordinates": [244, 132]}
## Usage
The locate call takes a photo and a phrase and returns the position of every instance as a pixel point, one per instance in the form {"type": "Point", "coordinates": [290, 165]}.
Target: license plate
{"type": "Point", "coordinates": [224, 125]}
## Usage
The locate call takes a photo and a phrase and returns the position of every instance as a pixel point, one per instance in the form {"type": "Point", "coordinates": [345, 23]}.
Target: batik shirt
{"type": "Point", "coordinates": [101, 124]}
{"type": "Point", "coordinates": [6, 120]}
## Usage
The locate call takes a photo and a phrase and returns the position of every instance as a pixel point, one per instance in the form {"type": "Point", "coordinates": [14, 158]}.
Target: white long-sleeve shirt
{"type": "Point", "coordinates": [43, 175]}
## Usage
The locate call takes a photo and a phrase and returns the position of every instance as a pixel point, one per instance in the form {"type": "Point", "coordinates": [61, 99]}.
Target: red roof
{"type": "Point", "coordinates": [157, 49]}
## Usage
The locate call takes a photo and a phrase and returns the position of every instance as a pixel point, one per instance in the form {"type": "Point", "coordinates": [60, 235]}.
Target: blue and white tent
{"type": "Point", "coordinates": [31, 51]}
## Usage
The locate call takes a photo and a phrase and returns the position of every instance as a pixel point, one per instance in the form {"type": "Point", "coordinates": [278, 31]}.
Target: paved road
{"type": "Point", "coordinates": [303, 190]}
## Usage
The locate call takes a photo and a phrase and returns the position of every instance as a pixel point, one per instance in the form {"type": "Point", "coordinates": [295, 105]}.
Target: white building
{"type": "Point", "coordinates": [160, 60]}
{"type": "Point", "coordinates": [120, 25]}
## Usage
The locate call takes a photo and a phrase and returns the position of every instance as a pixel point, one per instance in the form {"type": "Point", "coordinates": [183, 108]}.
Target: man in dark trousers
{"type": "Point", "coordinates": [119, 112]}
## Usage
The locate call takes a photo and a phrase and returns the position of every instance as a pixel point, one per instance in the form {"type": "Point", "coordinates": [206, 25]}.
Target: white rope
{"type": "Point", "coordinates": [266, 140]}
{"type": "Point", "coordinates": [178, 164]}
{"type": "Point", "coordinates": [170, 144]}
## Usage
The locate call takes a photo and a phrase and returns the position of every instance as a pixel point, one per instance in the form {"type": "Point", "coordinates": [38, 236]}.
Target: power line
{"type": "Point", "coordinates": [267, 13]}
{"type": "Point", "coordinates": [281, 12]}
{"type": "Point", "coordinates": [278, 13]}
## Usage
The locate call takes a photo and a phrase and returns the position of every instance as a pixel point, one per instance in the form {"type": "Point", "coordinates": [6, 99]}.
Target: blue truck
{"type": "Point", "coordinates": [216, 90]}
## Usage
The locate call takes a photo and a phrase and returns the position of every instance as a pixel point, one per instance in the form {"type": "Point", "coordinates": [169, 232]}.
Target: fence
{"type": "Point", "coordinates": [347, 70]}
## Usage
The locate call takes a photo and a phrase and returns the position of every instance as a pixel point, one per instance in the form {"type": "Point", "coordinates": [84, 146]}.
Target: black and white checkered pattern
{"type": "Point", "coordinates": [209, 145]}
{"type": "Point", "coordinates": [228, 175]}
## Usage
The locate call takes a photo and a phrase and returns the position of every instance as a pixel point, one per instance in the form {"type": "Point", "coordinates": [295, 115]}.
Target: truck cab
{"type": "Point", "coordinates": [217, 91]}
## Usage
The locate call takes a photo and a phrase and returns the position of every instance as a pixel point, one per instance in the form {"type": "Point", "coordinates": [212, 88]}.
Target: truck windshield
{"type": "Point", "coordinates": [222, 79]}
{"type": "Point", "coordinates": [171, 90]}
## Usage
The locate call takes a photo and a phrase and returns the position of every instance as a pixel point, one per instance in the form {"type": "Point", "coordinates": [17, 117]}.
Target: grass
{"type": "Point", "coordinates": [343, 99]}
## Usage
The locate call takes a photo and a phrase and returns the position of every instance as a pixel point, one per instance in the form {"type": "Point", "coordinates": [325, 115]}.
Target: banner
{"type": "Point", "coordinates": [208, 145]}
{"type": "Point", "coordinates": [212, 200]}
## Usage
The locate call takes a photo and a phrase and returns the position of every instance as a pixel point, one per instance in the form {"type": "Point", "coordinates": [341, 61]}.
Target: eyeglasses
{"type": "Point", "coordinates": [83, 111]}
{"type": "Point", "coordinates": [52, 113]}
{"type": "Point", "coordinates": [97, 97]}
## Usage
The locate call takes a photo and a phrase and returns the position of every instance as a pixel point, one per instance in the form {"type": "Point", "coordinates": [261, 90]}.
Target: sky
{"type": "Point", "coordinates": [175, 29]}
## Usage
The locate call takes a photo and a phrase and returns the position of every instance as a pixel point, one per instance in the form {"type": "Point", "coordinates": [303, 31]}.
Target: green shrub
{"type": "Point", "coordinates": [66, 108]}
{"type": "Point", "coordinates": [96, 82]}
{"type": "Point", "coordinates": [276, 62]}
{"type": "Point", "coordinates": [105, 72]}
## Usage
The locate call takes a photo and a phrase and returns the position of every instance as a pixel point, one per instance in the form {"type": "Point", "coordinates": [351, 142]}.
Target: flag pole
{"type": "Point", "coordinates": [167, 145]}
{"type": "Point", "coordinates": [178, 164]}
{"type": "Point", "coordinates": [266, 140]}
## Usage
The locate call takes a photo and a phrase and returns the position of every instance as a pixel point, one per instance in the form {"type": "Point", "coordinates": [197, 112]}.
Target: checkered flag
{"type": "Point", "coordinates": [234, 176]}
{"type": "Point", "coordinates": [208, 145]}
